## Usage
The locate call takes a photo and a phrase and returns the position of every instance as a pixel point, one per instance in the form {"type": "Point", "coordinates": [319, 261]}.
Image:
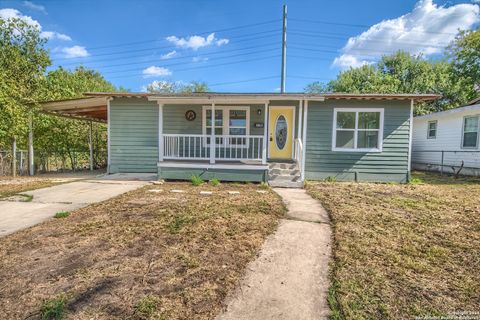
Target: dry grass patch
{"type": "Point", "coordinates": [404, 250]}
{"type": "Point", "coordinates": [141, 255]}
{"type": "Point", "coordinates": [10, 186]}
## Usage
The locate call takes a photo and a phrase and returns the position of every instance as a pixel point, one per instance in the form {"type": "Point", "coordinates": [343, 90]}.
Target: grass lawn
{"type": "Point", "coordinates": [142, 255]}
{"type": "Point", "coordinates": [402, 251]}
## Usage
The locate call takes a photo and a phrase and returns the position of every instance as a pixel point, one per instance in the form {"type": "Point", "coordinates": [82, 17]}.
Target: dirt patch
{"type": "Point", "coordinates": [402, 251]}
{"type": "Point", "coordinates": [185, 250]}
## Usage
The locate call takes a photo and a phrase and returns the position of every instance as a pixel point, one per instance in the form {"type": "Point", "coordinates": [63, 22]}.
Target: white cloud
{"type": "Point", "coordinates": [428, 29]}
{"type": "Point", "coordinates": [36, 7]}
{"type": "Point", "coordinates": [199, 59]}
{"type": "Point", "coordinates": [50, 35]}
{"type": "Point", "coordinates": [74, 52]}
{"type": "Point", "coordinates": [9, 13]}
{"type": "Point", "coordinates": [154, 71]}
{"type": "Point", "coordinates": [196, 42]}
{"type": "Point", "coordinates": [168, 55]}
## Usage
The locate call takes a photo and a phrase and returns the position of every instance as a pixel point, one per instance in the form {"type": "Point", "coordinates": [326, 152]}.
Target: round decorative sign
{"type": "Point", "coordinates": [190, 115]}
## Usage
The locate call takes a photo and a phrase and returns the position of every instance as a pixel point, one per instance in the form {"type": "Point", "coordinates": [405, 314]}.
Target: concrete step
{"type": "Point", "coordinates": [286, 184]}
{"type": "Point", "coordinates": [284, 172]}
{"type": "Point", "coordinates": [284, 178]}
{"type": "Point", "coordinates": [282, 165]}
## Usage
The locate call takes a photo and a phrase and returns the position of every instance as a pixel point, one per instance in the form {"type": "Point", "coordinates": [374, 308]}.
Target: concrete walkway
{"type": "Point", "coordinates": [289, 280]}
{"type": "Point", "coordinates": [16, 215]}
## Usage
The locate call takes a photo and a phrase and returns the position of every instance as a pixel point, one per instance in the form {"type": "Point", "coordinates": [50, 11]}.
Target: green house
{"type": "Point", "coordinates": [281, 139]}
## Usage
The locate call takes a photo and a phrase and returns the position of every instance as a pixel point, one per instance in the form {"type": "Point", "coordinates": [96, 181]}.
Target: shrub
{"type": "Point", "coordinates": [53, 309]}
{"type": "Point", "coordinates": [215, 182]}
{"type": "Point", "coordinates": [62, 214]}
{"type": "Point", "coordinates": [197, 181]}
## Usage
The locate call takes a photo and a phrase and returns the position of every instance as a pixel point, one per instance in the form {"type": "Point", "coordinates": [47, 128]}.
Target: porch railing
{"type": "Point", "coordinates": [227, 147]}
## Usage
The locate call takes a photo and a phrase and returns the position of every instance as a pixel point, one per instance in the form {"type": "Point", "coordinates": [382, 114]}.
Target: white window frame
{"type": "Point", "coordinates": [463, 130]}
{"type": "Point", "coordinates": [226, 124]}
{"type": "Point", "coordinates": [428, 129]}
{"type": "Point", "coordinates": [356, 130]}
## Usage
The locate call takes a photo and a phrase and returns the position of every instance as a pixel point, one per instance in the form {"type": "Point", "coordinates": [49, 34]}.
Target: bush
{"type": "Point", "coordinates": [215, 182]}
{"type": "Point", "coordinates": [53, 309]}
{"type": "Point", "coordinates": [197, 181]}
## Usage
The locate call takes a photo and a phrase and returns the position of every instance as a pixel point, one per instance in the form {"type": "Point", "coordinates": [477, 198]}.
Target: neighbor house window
{"type": "Point", "coordinates": [357, 129]}
{"type": "Point", "coordinates": [432, 130]}
{"type": "Point", "coordinates": [232, 121]}
{"type": "Point", "coordinates": [470, 132]}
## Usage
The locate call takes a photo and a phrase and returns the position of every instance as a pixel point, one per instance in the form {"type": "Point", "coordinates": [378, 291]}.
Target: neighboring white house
{"type": "Point", "coordinates": [448, 137]}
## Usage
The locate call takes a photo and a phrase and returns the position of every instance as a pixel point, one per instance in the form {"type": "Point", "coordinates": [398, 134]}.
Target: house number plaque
{"type": "Point", "coordinates": [190, 115]}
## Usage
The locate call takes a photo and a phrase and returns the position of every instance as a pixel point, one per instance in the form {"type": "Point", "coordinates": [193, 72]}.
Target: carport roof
{"type": "Point", "coordinates": [94, 105]}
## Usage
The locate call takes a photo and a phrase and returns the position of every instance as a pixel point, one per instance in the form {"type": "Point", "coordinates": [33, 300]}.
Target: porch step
{"type": "Point", "coordinates": [286, 175]}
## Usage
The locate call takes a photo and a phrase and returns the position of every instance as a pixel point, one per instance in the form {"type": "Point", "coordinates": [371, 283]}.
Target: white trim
{"type": "Point", "coordinates": [293, 129]}
{"type": "Point", "coordinates": [160, 131]}
{"type": "Point", "coordinates": [226, 122]}
{"type": "Point", "coordinates": [212, 166]}
{"type": "Point", "coordinates": [108, 135]}
{"type": "Point", "coordinates": [410, 138]}
{"type": "Point", "coordinates": [463, 131]}
{"type": "Point", "coordinates": [355, 138]}
{"type": "Point", "coordinates": [265, 134]}
{"type": "Point", "coordinates": [450, 111]}
{"type": "Point", "coordinates": [428, 129]}
{"type": "Point", "coordinates": [304, 138]}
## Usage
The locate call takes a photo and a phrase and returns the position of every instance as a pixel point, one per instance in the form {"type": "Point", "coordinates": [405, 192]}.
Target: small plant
{"type": "Point", "coordinates": [26, 197]}
{"type": "Point", "coordinates": [196, 180]}
{"type": "Point", "coordinates": [264, 185]}
{"type": "Point", "coordinates": [176, 224]}
{"type": "Point", "coordinates": [62, 214]}
{"type": "Point", "coordinates": [331, 179]}
{"type": "Point", "coordinates": [215, 182]}
{"type": "Point", "coordinates": [415, 181]}
{"type": "Point", "coordinates": [53, 309]}
{"type": "Point", "coordinates": [146, 307]}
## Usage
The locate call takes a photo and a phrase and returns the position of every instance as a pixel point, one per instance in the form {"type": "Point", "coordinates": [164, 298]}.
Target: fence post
{"type": "Point", "coordinates": [21, 162]}
{"type": "Point", "coordinates": [441, 165]}
{"type": "Point", "coordinates": [14, 157]}
{"type": "Point", "coordinates": [90, 145]}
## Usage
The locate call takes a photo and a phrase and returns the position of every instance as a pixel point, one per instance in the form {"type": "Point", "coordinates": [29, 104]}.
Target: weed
{"type": "Point", "coordinates": [215, 182]}
{"type": "Point", "coordinates": [196, 180]}
{"type": "Point", "coordinates": [53, 309]}
{"type": "Point", "coordinates": [176, 224]}
{"type": "Point", "coordinates": [26, 197]}
{"type": "Point", "coordinates": [62, 214]}
{"type": "Point", "coordinates": [189, 261]}
{"type": "Point", "coordinates": [415, 180]}
{"type": "Point", "coordinates": [331, 179]}
{"type": "Point", "coordinates": [146, 307]}
{"type": "Point", "coordinates": [264, 185]}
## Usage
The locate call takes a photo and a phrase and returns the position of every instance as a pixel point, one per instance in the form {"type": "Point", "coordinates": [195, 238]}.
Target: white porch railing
{"type": "Point", "coordinates": [298, 151]}
{"type": "Point", "coordinates": [228, 147]}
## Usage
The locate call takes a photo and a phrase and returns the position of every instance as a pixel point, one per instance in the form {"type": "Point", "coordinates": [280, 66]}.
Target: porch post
{"type": "Point", "coordinates": [160, 132]}
{"type": "Point", "coordinates": [304, 139]}
{"type": "Point", "coordinates": [265, 134]}
{"type": "Point", "coordinates": [212, 135]}
{"type": "Point", "coordinates": [108, 136]}
{"type": "Point", "coordinates": [90, 144]}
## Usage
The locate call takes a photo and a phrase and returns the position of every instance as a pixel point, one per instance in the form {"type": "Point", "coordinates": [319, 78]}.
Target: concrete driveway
{"type": "Point", "coordinates": [17, 215]}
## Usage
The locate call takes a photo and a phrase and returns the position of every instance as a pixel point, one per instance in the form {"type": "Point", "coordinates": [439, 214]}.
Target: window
{"type": "Point", "coordinates": [470, 132]}
{"type": "Point", "coordinates": [357, 130]}
{"type": "Point", "coordinates": [432, 130]}
{"type": "Point", "coordinates": [233, 121]}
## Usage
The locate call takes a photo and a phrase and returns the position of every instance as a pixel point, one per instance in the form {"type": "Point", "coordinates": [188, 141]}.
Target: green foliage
{"type": "Point", "coordinates": [146, 307]}
{"type": "Point", "coordinates": [403, 73]}
{"type": "Point", "coordinates": [62, 214]}
{"type": "Point", "coordinates": [177, 87]}
{"type": "Point", "coordinates": [53, 309]}
{"type": "Point", "coordinates": [196, 180]}
{"type": "Point", "coordinates": [264, 185]}
{"type": "Point", "coordinates": [331, 179]}
{"type": "Point", "coordinates": [215, 182]}
{"type": "Point", "coordinates": [177, 223]}
{"type": "Point", "coordinates": [26, 197]}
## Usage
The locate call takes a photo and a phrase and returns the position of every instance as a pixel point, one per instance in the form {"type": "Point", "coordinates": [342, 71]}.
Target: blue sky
{"type": "Point", "coordinates": [235, 46]}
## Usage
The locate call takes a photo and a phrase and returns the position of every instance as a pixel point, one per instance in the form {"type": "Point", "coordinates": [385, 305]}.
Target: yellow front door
{"type": "Point", "coordinates": [281, 132]}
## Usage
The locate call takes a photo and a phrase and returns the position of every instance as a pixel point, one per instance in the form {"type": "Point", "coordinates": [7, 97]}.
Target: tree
{"type": "Point", "coordinates": [177, 87]}
{"type": "Point", "coordinates": [23, 61]}
{"type": "Point", "coordinates": [402, 73]}
{"type": "Point", "coordinates": [464, 53]}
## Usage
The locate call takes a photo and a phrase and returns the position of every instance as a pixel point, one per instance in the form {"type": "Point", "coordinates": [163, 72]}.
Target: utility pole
{"type": "Point", "coordinates": [284, 50]}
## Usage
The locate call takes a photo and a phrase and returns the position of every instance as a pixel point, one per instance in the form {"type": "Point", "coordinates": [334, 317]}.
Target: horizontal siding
{"type": "Point", "coordinates": [133, 135]}
{"type": "Point", "coordinates": [389, 165]}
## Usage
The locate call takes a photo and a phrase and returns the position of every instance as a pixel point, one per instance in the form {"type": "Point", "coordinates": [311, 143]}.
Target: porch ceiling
{"type": "Point", "coordinates": [90, 108]}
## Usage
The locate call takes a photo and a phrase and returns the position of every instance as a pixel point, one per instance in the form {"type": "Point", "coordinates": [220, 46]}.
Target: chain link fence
{"type": "Point", "coordinates": [52, 161]}
{"type": "Point", "coordinates": [459, 162]}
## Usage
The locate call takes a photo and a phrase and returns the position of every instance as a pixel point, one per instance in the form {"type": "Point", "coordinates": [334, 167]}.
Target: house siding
{"type": "Point", "coordinates": [390, 165]}
{"type": "Point", "coordinates": [133, 135]}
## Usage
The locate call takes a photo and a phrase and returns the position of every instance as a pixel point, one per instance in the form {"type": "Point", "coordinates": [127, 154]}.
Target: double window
{"type": "Point", "coordinates": [432, 130]}
{"type": "Point", "coordinates": [231, 121]}
{"type": "Point", "coordinates": [470, 132]}
{"type": "Point", "coordinates": [358, 130]}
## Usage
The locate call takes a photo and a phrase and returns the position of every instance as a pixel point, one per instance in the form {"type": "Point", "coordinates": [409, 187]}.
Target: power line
{"type": "Point", "coordinates": [242, 81]}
